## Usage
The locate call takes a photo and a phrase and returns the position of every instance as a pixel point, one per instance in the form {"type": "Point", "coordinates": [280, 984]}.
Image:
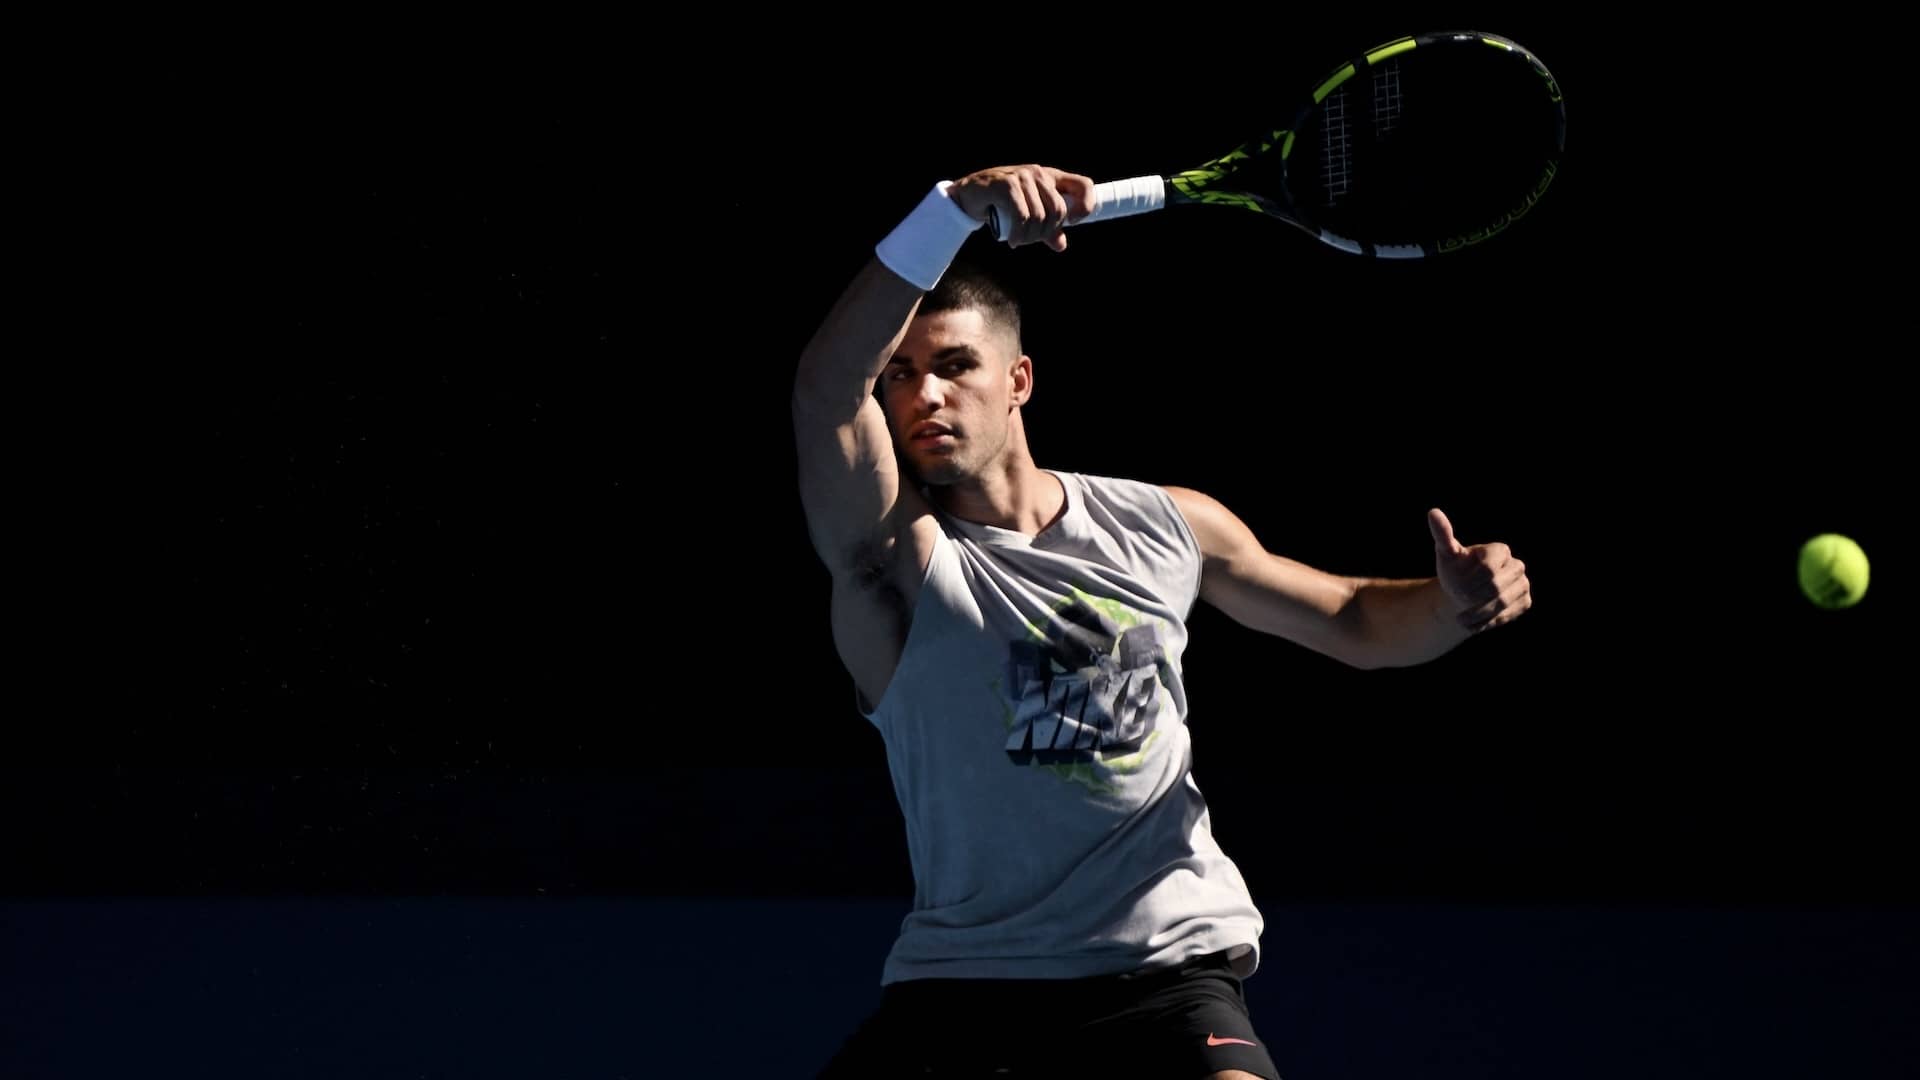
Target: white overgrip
{"type": "Point", "coordinates": [1125, 198]}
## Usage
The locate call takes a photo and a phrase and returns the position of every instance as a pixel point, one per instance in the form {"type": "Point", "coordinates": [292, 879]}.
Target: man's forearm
{"type": "Point", "coordinates": [1399, 623]}
{"type": "Point", "coordinates": [851, 347]}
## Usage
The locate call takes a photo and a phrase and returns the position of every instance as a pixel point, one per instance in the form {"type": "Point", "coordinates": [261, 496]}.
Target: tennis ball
{"type": "Point", "coordinates": [1833, 571]}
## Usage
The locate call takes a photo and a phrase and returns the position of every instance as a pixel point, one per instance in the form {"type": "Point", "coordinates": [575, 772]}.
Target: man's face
{"type": "Point", "coordinates": [948, 393]}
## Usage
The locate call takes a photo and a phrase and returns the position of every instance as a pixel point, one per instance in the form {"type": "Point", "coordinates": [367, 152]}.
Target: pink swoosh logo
{"type": "Point", "coordinates": [1212, 1041]}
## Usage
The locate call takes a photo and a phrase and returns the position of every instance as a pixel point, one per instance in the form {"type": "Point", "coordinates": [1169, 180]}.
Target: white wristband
{"type": "Point", "coordinates": [923, 245]}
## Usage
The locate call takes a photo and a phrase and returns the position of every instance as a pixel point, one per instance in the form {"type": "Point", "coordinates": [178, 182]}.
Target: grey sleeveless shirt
{"type": "Point", "coordinates": [1035, 728]}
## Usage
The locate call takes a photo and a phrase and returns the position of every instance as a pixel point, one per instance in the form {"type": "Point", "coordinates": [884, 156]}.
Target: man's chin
{"type": "Point", "coordinates": [940, 473]}
{"type": "Point", "coordinates": [931, 470]}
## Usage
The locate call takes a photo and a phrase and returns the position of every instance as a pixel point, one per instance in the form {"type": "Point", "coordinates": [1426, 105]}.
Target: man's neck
{"type": "Point", "coordinates": [1016, 495]}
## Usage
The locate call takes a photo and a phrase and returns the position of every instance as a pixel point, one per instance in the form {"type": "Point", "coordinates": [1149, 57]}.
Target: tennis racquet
{"type": "Point", "coordinates": [1422, 146]}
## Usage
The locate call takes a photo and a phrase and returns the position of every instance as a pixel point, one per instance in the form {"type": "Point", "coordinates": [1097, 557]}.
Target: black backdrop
{"type": "Point", "coordinates": [449, 539]}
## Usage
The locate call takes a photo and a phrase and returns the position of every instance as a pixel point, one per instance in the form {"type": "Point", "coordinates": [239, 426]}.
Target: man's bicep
{"type": "Point", "coordinates": [1253, 586]}
{"type": "Point", "coordinates": [849, 480]}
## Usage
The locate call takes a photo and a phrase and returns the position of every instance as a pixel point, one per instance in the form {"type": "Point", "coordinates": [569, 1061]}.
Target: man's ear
{"type": "Point", "coordinates": [1022, 376]}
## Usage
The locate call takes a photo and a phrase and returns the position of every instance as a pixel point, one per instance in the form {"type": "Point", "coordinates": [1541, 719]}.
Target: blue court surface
{"type": "Point", "coordinates": [440, 987]}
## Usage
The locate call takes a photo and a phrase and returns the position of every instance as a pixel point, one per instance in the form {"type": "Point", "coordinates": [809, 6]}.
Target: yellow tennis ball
{"type": "Point", "coordinates": [1833, 571]}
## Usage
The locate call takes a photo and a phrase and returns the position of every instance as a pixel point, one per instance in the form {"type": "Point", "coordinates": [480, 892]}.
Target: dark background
{"type": "Point", "coordinates": [448, 540]}
{"type": "Point", "coordinates": [456, 543]}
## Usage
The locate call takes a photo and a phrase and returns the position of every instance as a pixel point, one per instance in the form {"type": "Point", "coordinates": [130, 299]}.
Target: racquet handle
{"type": "Point", "coordinates": [1113, 199]}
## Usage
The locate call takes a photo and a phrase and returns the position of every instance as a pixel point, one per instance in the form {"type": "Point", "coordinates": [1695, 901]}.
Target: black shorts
{"type": "Point", "coordinates": [1178, 1023]}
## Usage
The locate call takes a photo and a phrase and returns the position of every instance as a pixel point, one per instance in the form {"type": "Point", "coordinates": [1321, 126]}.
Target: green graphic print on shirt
{"type": "Point", "coordinates": [1081, 696]}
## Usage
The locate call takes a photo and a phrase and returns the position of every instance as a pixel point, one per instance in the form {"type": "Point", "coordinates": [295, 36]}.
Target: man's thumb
{"type": "Point", "coordinates": [1442, 530]}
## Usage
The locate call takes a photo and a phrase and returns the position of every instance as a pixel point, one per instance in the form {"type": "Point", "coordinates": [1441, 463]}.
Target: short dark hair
{"type": "Point", "coordinates": [966, 285]}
